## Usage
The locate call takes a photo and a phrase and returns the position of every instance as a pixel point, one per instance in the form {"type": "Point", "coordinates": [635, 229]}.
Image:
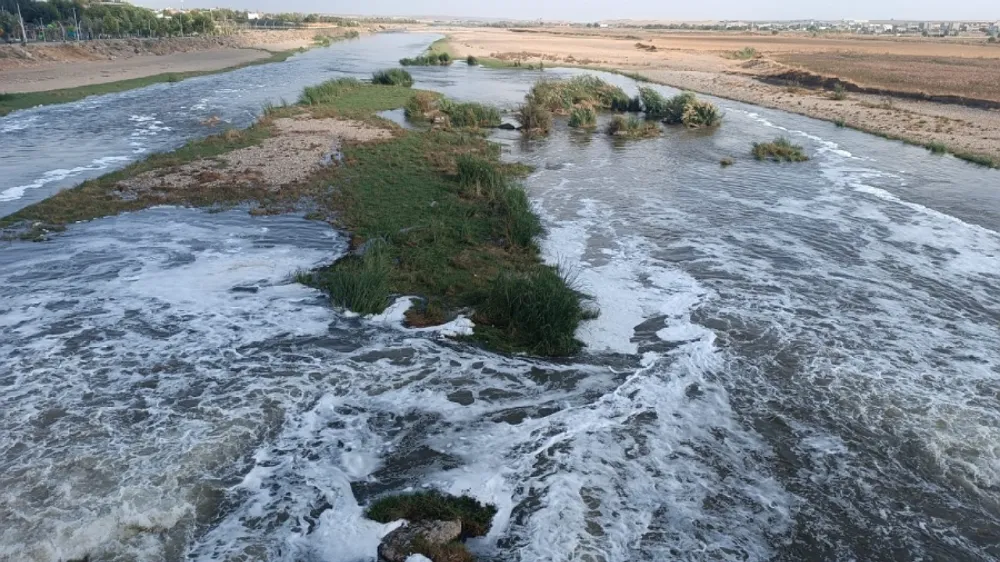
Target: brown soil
{"type": "Point", "coordinates": [705, 63]}
{"type": "Point", "coordinates": [976, 78]}
{"type": "Point", "coordinates": [52, 66]}
{"type": "Point", "coordinates": [299, 146]}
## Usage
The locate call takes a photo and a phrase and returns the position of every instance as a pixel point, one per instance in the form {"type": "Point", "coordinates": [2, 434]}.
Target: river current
{"type": "Point", "coordinates": [793, 362]}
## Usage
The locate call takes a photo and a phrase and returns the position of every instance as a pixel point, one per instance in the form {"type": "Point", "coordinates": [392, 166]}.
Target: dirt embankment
{"type": "Point", "coordinates": [41, 54]}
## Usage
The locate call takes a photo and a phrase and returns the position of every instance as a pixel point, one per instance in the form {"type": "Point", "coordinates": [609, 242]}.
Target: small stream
{"type": "Point", "coordinates": [793, 362]}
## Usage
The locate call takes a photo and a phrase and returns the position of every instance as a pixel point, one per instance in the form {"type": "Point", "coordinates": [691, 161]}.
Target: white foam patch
{"type": "Point", "coordinates": [628, 288]}
{"type": "Point", "coordinates": [18, 191]}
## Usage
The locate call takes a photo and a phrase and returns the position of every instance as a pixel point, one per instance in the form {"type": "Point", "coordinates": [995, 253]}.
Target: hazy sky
{"type": "Point", "coordinates": [591, 10]}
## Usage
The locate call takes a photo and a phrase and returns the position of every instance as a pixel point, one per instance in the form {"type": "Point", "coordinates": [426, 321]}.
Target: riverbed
{"type": "Point", "coordinates": [793, 362]}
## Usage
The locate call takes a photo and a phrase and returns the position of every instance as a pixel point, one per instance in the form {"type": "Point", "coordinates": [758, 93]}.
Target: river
{"type": "Point", "coordinates": [793, 362]}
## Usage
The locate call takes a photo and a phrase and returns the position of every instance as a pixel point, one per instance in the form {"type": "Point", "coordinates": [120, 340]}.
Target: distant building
{"type": "Point", "coordinates": [253, 16]}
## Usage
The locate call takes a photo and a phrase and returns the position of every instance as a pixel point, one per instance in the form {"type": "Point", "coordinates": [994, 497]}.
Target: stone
{"type": "Point", "coordinates": [396, 546]}
{"type": "Point", "coordinates": [508, 127]}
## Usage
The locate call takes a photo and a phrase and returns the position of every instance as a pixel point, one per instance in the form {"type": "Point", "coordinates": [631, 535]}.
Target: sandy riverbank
{"type": "Point", "coordinates": [54, 66]}
{"type": "Point", "coordinates": [704, 63]}
{"type": "Point", "coordinates": [55, 76]}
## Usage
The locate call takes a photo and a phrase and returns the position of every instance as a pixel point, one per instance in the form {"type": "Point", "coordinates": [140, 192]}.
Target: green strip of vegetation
{"type": "Point", "coordinates": [14, 102]}
{"type": "Point", "coordinates": [432, 213]}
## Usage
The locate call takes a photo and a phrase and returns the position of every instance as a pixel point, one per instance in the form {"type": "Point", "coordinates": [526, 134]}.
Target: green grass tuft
{"type": "Point", "coordinates": [393, 77]}
{"type": "Point", "coordinates": [632, 127]}
{"type": "Point", "coordinates": [583, 117]}
{"type": "Point", "coordinates": [780, 150]}
{"type": "Point", "coordinates": [470, 114]}
{"type": "Point", "coordinates": [519, 221]}
{"type": "Point", "coordinates": [479, 176]}
{"type": "Point", "coordinates": [840, 123]}
{"type": "Point", "coordinates": [435, 506]}
{"type": "Point", "coordinates": [937, 147]}
{"type": "Point", "coordinates": [746, 53]}
{"type": "Point", "coordinates": [536, 310]}
{"type": "Point", "coordinates": [357, 283]}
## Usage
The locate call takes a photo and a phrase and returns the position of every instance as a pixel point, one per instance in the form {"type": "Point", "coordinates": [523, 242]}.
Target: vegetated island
{"type": "Point", "coordinates": [432, 213]}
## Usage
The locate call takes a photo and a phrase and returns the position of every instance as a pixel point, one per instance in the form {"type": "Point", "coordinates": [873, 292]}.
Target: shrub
{"type": "Point", "coordinates": [435, 506]}
{"type": "Point", "coordinates": [840, 123]}
{"type": "Point", "coordinates": [653, 103]}
{"type": "Point", "coordinates": [357, 283]}
{"type": "Point", "coordinates": [479, 176]}
{"type": "Point", "coordinates": [533, 117]}
{"type": "Point", "coordinates": [322, 41]}
{"type": "Point", "coordinates": [746, 53]}
{"type": "Point", "coordinates": [471, 61]}
{"type": "Point", "coordinates": [992, 39]}
{"type": "Point", "coordinates": [632, 127]}
{"type": "Point", "coordinates": [393, 77]}
{"type": "Point", "coordinates": [559, 96]}
{"type": "Point", "coordinates": [839, 93]}
{"type": "Point", "coordinates": [418, 106]}
{"type": "Point", "coordinates": [521, 225]}
{"type": "Point", "coordinates": [352, 34]}
{"type": "Point", "coordinates": [538, 310]}
{"type": "Point", "coordinates": [780, 150]}
{"type": "Point", "coordinates": [937, 147]}
{"type": "Point", "coordinates": [328, 91]}
{"type": "Point", "coordinates": [432, 59]}
{"type": "Point", "coordinates": [583, 117]}
{"type": "Point", "coordinates": [699, 113]}
{"type": "Point", "coordinates": [473, 115]}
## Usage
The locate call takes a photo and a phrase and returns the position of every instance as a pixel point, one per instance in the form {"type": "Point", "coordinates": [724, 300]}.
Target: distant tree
{"type": "Point", "coordinates": [110, 24]}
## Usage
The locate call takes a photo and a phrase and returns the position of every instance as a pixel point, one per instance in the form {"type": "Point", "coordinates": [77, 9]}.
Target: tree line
{"type": "Point", "coordinates": [68, 19]}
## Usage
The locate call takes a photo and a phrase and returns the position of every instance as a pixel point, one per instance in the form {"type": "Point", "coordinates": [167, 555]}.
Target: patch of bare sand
{"type": "Point", "coordinates": [297, 149]}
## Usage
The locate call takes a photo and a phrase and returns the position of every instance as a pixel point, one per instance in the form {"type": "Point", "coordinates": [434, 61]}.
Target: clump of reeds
{"type": "Point", "coordinates": [779, 150]}
{"type": "Point", "coordinates": [393, 77]}
{"type": "Point", "coordinates": [632, 127]}
{"type": "Point", "coordinates": [470, 114]}
{"type": "Point", "coordinates": [583, 117]}
{"type": "Point", "coordinates": [533, 117]}
{"type": "Point", "coordinates": [357, 283]}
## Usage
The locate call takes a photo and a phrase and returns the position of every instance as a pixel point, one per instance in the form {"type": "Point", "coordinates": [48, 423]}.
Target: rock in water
{"type": "Point", "coordinates": [418, 558]}
{"type": "Point", "coordinates": [397, 545]}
